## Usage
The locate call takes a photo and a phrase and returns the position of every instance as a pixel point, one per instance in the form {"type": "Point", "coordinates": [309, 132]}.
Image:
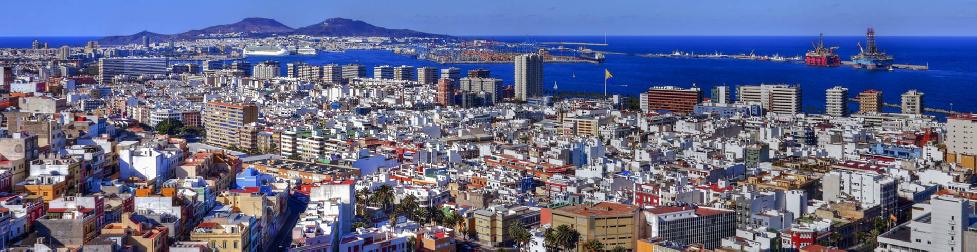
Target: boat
{"type": "Point", "coordinates": [264, 51]}
{"type": "Point", "coordinates": [306, 51]}
{"type": "Point", "coordinates": [821, 55]}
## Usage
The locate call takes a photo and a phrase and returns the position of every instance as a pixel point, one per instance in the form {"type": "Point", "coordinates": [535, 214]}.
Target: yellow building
{"type": "Point", "coordinates": [612, 224]}
{"type": "Point", "coordinates": [222, 236]}
{"type": "Point", "coordinates": [141, 236]}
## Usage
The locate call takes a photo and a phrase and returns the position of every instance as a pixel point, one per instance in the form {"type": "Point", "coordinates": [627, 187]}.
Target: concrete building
{"type": "Point", "coordinates": [223, 122]}
{"type": "Point", "coordinates": [912, 102]}
{"type": "Point", "coordinates": [836, 101]}
{"type": "Point", "coordinates": [451, 73]}
{"type": "Point", "coordinates": [961, 140]}
{"type": "Point", "coordinates": [868, 188]}
{"type": "Point", "coordinates": [267, 70]}
{"type": "Point", "coordinates": [937, 226]}
{"type": "Point", "coordinates": [721, 95]}
{"type": "Point", "coordinates": [528, 76]}
{"type": "Point", "coordinates": [405, 73]}
{"type": "Point", "coordinates": [332, 73]}
{"type": "Point", "coordinates": [612, 224]}
{"type": "Point", "coordinates": [479, 73]}
{"type": "Point", "coordinates": [309, 72]}
{"type": "Point", "coordinates": [353, 71]}
{"type": "Point", "coordinates": [492, 224]}
{"type": "Point", "coordinates": [690, 225]}
{"type": "Point", "coordinates": [785, 99]}
{"type": "Point", "coordinates": [870, 101]}
{"type": "Point", "coordinates": [383, 72]}
{"type": "Point", "coordinates": [671, 98]}
{"type": "Point", "coordinates": [109, 68]}
{"type": "Point", "coordinates": [446, 92]}
{"type": "Point", "coordinates": [484, 88]}
{"type": "Point", "coordinates": [427, 75]}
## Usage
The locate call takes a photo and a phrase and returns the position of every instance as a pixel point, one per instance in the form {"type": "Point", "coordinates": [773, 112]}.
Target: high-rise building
{"type": "Point", "coordinates": [64, 52]}
{"type": "Point", "coordinates": [939, 225]}
{"type": "Point", "coordinates": [332, 73]}
{"type": "Point", "coordinates": [836, 101]}
{"type": "Point", "coordinates": [961, 140]}
{"type": "Point", "coordinates": [912, 102]}
{"type": "Point", "coordinates": [446, 92]}
{"type": "Point", "coordinates": [310, 72]}
{"type": "Point", "coordinates": [528, 76]}
{"type": "Point", "coordinates": [721, 95]}
{"type": "Point", "coordinates": [427, 75]}
{"type": "Point", "coordinates": [451, 73]}
{"type": "Point", "coordinates": [292, 69]}
{"type": "Point", "coordinates": [773, 98]}
{"type": "Point", "coordinates": [671, 98]}
{"type": "Point", "coordinates": [267, 70]}
{"type": "Point", "coordinates": [485, 88]}
{"type": "Point", "coordinates": [353, 71]}
{"type": "Point", "coordinates": [870, 101]}
{"type": "Point", "coordinates": [145, 41]}
{"type": "Point", "coordinates": [691, 225]}
{"type": "Point", "coordinates": [243, 66]}
{"type": "Point", "coordinates": [612, 224]}
{"type": "Point", "coordinates": [224, 122]}
{"type": "Point", "coordinates": [405, 73]}
{"type": "Point", "coordinates": [109, 68]}
{"type": "Point", "coordinates": [6, 75]}
{"type": "Point", "coordinates": [383, 72]}
{"type": "Point", "coordinates": [478, 73]}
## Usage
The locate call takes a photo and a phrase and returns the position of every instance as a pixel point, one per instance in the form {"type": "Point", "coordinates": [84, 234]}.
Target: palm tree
{"type": "Point", "coordinates": [618, 249]}
{"type": "Point", "coordinates": [421, 215]}
{"type": "Point", "coordinates": [549, 239]}
{"type": "Point", "coordinates": [519, 234]}
{"type": "Point", "coordinates": [435, 215]}
{"type": "Point", "coordinates": [567, 237]}
{"type": "Point", "coordinates": [593, 246]}
{"type": "Point", "coordinates": [362, 199]}
{"type": "Point", "coordinates": [384, 197]}
{"type": "Point", "coordinates": [408, 206]}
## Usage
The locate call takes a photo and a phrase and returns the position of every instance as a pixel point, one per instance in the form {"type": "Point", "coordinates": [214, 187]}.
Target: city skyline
{"type": "Point", "coordinates": [765, 18]}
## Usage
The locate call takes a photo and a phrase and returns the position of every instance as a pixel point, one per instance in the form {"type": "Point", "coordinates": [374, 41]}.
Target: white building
{"type": "Point", "coordinates": [868, 188]}
{"type": "Point", "coordinates": [937, 226]}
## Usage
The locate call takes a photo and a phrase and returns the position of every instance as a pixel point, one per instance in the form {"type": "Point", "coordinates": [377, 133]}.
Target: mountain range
{"type": "Point", "coordinates": [262, 27]}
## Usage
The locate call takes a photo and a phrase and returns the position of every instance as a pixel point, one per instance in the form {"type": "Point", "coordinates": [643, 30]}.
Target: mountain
{"type": "Point", "coordinates": [259, 27]}
{"type": "Point", "coordinates": [248, 25]}
{"type": "Point", "coordinates": [135, 38]}
{"type": "Point", "coordinates": [347, 27]}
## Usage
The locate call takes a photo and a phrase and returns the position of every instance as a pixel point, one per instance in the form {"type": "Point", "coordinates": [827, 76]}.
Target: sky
{"type": "Point", "coordinates": [506, 17]}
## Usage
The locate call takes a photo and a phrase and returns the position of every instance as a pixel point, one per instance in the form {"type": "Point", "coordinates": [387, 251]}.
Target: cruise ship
{"type": "Point", "coordinates": [264, 51]}
{"type": "Point", "coordinates": [306, 51]}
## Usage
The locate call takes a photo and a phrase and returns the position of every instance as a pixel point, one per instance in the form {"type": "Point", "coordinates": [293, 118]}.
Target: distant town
{"type": "Point", "coordinates": [156, 142]}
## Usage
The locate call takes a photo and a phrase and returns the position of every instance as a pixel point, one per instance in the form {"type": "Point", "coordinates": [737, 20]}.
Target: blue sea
{"type": "Point", "coordinates": [948, 84]}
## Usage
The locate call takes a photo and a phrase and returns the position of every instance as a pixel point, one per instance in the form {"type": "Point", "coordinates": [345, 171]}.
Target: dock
{"type": "Point", "coordinates": [896, 66]}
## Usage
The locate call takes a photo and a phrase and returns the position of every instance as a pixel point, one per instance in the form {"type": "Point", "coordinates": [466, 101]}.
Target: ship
{"type": "Point", "coordinates": [264, 51]}
{"type": "Point", "coordinates": [871, 57]}
{"type": "Point", "coordinates": [822, 56]}
{"type": "Point", "coordinates": [306, 51]}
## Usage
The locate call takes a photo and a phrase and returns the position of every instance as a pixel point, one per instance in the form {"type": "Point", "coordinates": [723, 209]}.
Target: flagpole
{"type": "Point", "coordinates": [605, 84]}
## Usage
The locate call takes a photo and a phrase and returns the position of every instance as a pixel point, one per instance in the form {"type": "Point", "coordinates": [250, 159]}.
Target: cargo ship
{"type": "Point", "coordinates": [822, 56]}
{"type": "Point", "coordinates": [870, 57]}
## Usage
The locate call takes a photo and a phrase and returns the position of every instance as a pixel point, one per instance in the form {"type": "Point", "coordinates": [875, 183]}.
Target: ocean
{"type": "Point", "coordinates": [948, 84]}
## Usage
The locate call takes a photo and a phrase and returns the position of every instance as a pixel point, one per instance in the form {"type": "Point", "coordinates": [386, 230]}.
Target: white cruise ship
{"type": "Point", "coordinates": [264, 51]}
{"type": "Point", "coordinates": [306, 51]}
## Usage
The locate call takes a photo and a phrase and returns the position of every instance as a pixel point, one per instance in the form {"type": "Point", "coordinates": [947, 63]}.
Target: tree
{"type": "Point", "coordinates": [519, 234]}
{"type": "Point", "coordinates": [618, 249]}
{"type": "Point", "coordinates": [359, 224]}
{"type": "Point", "coordinates": [362, 199]}
{"type": "Point", "coordinates": [549, 239]}
{"type": "Point", "coordinates": [169, 127]}
{"type": "Point", "coordinates": [567, 237]}
{"type": "Point", "coordinates": [383, 197]}
{"type": "Point", "coordinates": [408, 206]}
{"type": "Point", "coordinates": [593, 246]}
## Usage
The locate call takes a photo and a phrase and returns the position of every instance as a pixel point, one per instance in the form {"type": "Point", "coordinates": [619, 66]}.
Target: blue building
{"type": "Point", "coordinates": [250, 177]}
{"type": "Point", "coordinates": [900, 152]}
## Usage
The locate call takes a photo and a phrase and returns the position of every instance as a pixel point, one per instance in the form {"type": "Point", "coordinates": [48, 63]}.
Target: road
{"type": "Point", "coordinates": [296, 205]}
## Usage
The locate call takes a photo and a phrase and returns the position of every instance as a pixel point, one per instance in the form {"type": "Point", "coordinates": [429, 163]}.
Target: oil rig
{"type": "Point", "coordinates": [822, 56]}
{"type": "Point", "coordinates": [870, 57]}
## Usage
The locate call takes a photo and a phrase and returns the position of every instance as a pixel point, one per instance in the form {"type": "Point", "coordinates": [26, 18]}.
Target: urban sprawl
{"type": "Point", "coordinates": [152, 147]}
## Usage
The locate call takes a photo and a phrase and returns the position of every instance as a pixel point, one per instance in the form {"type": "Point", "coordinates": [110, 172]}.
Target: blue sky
{"type": "Point", "coordinates": [506, 17]}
